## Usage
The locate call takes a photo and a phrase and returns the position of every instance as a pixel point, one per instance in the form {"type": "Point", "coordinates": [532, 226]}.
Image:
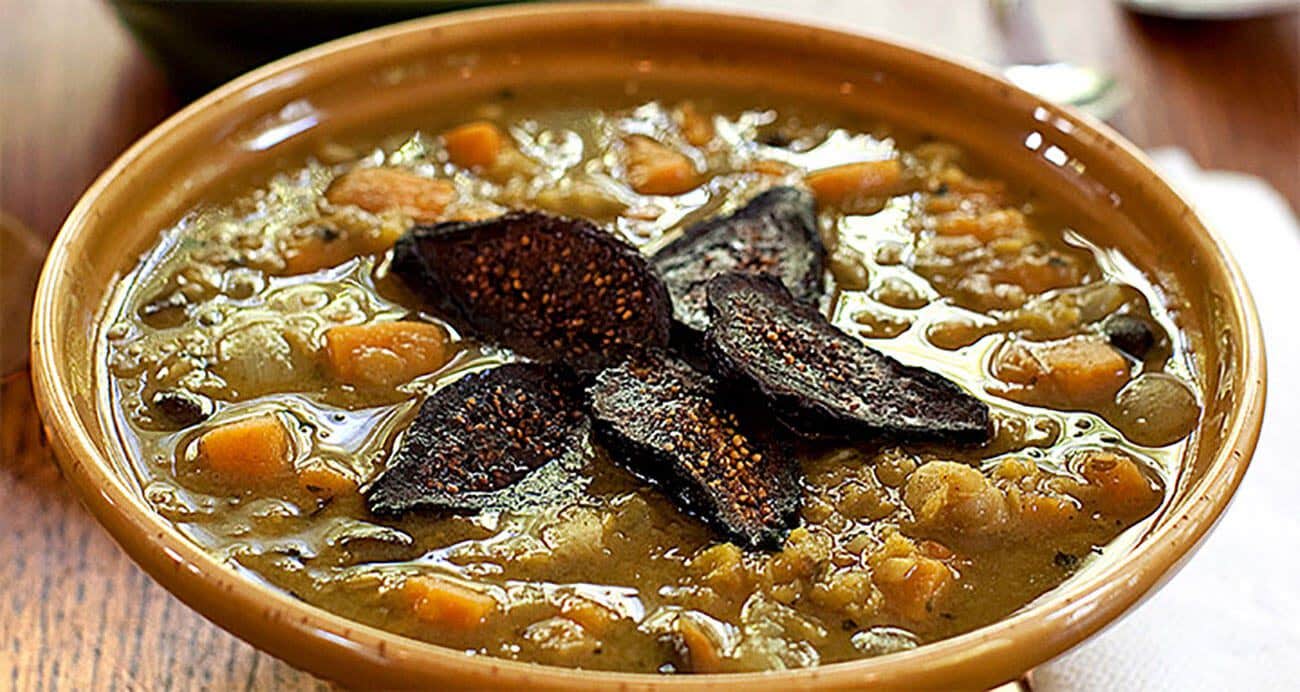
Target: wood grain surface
{"type": "Point", "coordinates": [75, 91]}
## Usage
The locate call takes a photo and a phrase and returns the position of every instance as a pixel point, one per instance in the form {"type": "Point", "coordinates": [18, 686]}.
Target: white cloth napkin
{"type": "Point", "coordinates": [1231, 619]}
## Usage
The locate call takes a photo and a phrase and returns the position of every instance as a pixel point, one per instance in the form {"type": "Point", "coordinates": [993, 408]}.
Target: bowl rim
{"type": "Point", "coordinates": [273, 621]}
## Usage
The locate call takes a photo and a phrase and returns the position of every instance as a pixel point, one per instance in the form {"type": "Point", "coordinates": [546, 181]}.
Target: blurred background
{"type": "Point", "coordinates": [1206, 84]}
{"type": "Point", "coordinates": [78, 88]}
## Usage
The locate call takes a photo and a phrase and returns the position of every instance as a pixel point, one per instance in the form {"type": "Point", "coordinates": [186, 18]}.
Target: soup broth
{"type": "Point", "coordinates": [257, 427]}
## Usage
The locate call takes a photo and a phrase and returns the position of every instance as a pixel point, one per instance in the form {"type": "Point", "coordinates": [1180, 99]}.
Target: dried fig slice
{"type": "Point", "coordinates": [480, 435]}
{"type": "Point", "coordinates": [662, 419]}
{"type": "Point", "coordinates": [549, 287]}
{"type": "Point", "coordinates": [822, 382]}
{"type": "Point", "coordinates": [775, 233]}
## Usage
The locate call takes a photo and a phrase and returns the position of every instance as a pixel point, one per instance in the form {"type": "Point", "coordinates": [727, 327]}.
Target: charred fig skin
{"type": "Point", "coordinates": [548, 287]}
{"type": "Point", "coordinates": [823, 383]}
{"type": "Point", "coordinates": [480, 435]}
{"type": "Point", "coordinates": [775, 233]}
{"type": "Point", "coordinates": [663, 420]}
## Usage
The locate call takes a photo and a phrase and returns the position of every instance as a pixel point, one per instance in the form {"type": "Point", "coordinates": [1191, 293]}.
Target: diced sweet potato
{"type": "Point", "coordinates": [325, 482]}
{"type": "Point", "coordinates": [1118, 487]}
{"type": "Point", "coordinates": [474, 145]}
{"type": "Point", "coordinates": [383, 354]}
{"type": "Point", "coordinates": [381, 189]}
{"type": "Point", "coordinates": [844, 185]}
{"type": "Point", "coordinates": [1080, 370]}
{"type": "Point", "coordinates": [250, 451]}
{"type": "Point", "coordinates": [911, 583]}
{"type": "Point", "coordinates": [654, 169]}
{"type": "Point", "coordinates": [1085, 369]}
{"type": "Point", "coordinates": [444, 603]}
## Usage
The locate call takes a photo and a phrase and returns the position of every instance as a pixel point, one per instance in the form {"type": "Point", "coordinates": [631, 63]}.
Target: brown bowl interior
{"type": "Point", "coordinates": [433, 66]}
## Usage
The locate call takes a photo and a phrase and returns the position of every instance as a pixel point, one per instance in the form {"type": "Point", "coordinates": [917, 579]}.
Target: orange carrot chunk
{"type": "Point", "coordinates": [1080, 371]}
{"type": "Point", "coordinates": [474, 145]}
{"type": "Point", "coordinates": [444, 603]}
{"type": "Point", "coordinates": [250, 451]}
{"type": "Point", "coordinates": [383, 354]}
{"type": "Point", "coordinates": [381, 189]}
{"type": "Point", "coordinates": [325, 482]}
{"type": "Point", "coordinates": [654, 169]}
{"type": "Point", "coordinates": [844, 185]}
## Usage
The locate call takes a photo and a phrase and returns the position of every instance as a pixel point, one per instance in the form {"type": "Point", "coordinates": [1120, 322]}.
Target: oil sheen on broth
{"type": "Point", "coordinates": [220, 333]}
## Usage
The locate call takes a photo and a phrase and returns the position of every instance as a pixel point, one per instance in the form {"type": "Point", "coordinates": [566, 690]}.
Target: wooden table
{"type": "Point", "coordinates": [75, 91]}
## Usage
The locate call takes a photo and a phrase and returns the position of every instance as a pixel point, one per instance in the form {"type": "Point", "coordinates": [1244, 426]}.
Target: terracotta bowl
{"type": "Point", "coordinates": [257, 123]}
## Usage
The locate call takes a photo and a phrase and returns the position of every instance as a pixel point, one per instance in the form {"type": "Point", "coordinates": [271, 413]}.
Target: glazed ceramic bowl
{"type": "Point", "coordinates": [272, 116]}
